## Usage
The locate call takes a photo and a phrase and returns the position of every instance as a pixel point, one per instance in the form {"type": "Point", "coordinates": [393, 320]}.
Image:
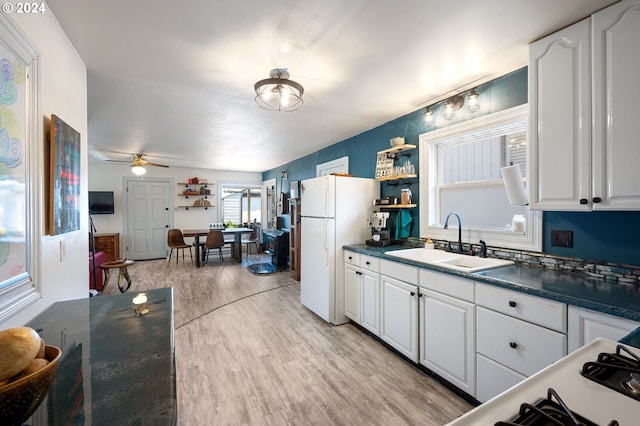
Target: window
{"type": "Point", "coordinates": [240, 203]}
{"type": "Point", "coordinates": [460, 172]}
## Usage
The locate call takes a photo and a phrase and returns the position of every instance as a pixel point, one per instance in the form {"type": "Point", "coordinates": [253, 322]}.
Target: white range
{"type": "Point", "coordinates": [593, 401]}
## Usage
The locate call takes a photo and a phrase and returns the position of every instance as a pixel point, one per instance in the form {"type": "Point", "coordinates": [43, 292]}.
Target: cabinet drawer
{"type": "Point", "coordinates": [399, 271]}
{"type": "Point", "coordinates": [450, 285]}
{"type": "Point", "coordinates": [369, 263]}
{"type": "Point", "coordinates": [352, 258]}
{"type": "Point", "coordinates": [494, 378]}
{"type": "Point", "coordinates": [519, 345]}
{"type": "Point", "coordinates": [547, 313]}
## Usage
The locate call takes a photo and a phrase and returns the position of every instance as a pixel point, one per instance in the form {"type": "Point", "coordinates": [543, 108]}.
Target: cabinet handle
{"type": "Point", "coordinates": [413, 293]}
{"type": "Point", "coordinates": [584, 201]}
{"type": "Point", "coordinates": [597, 200]}
{"type": "Point", "coordinates": [513, 345]}
{"type": "Point", "coordinates": [350, 258]}
{"type": "Point", "coordinates": [512, 303]}
{"type": "Point", "coordinates": [368, 263]}
{"type": "Point", "coordinates": [419, 294]}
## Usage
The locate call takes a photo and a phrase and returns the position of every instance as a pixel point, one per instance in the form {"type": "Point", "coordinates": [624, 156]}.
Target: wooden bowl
{"type": "Point", "coordinates": [19, 399]}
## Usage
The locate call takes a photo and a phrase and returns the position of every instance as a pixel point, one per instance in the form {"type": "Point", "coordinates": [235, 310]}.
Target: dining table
{"type": "Point", "coordinates": [236, 248]}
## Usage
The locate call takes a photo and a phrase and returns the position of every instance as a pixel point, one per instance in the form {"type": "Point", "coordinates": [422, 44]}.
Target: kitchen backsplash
{"type": "Point", "coordinates": [611, 272]}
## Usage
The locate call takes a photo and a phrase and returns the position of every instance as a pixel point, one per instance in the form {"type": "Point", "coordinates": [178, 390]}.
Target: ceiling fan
{"type": "Point", "coordinates": [138, 164]}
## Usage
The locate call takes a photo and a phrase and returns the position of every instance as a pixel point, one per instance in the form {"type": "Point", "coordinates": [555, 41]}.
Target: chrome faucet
{"type": "Point", "coordinates": [446, 226]}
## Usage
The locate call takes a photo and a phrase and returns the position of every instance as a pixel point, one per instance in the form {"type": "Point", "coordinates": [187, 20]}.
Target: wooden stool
{"type": "Point", "coordinates": [121, 265]}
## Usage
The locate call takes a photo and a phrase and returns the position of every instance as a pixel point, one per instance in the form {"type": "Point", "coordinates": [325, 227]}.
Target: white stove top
{"type": "Point", "coordinates": [583, 396]}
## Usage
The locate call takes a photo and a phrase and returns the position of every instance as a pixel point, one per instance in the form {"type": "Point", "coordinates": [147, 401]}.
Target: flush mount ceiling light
{"type": "Point", "coordinates": [278, 93]}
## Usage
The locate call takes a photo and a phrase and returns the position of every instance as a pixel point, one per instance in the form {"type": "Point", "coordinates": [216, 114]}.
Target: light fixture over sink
{"type": "Point", "coordinates": [278, 93]}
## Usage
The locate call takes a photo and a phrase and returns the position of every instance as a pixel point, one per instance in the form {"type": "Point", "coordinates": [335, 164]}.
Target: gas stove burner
{"type": "Point", "coordinates": [617, 371]}
{"type": "Point", "coordinates": [633, 383]}
{"type": "Point", "coordinates": [548, 412]}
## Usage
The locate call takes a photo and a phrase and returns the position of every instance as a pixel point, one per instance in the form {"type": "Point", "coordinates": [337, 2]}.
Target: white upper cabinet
{"type": "Point", "coordinates": [584, 128]}
{"type": "Point", "coordinates": [616, 123]}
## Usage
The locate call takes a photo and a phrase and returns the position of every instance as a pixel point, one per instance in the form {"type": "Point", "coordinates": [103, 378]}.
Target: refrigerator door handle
{"type": "Point", "coordinates": [325, 237]}
{"type": "Point", "coordinates": [326, 200]}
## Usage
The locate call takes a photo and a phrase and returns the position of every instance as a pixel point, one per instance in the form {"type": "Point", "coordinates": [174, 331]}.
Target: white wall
{"type": "Point", "coordinates": [62, 91]}
{"type": "Point", "coordinates": [110, 176]}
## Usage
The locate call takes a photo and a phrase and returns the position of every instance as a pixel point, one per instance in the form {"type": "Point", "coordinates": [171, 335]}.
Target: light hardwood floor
{"type": "Point", "coordinates": [248, 353]}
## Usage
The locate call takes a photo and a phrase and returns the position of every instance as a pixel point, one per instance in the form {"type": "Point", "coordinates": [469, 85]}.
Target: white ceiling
{"type": "Point", "coordinates": [174, 79]}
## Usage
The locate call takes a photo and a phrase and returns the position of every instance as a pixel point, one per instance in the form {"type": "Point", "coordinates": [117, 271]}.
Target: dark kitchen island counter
{"type": "Point", "coordinates": [116, 368]}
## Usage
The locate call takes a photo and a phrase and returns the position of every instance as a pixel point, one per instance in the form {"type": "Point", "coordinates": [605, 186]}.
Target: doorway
{"type": "Point", "coordinates": [149, 214]}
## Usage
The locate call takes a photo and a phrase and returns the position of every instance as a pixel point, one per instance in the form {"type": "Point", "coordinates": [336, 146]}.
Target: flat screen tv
{"type": "Point", "coordinates": [100, 202]}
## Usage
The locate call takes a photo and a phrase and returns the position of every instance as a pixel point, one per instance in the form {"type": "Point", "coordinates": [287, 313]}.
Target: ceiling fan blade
{"type": "Point", "coordinates": [118, 161]}
{"type": "Point", "coordinates": [157, 165]}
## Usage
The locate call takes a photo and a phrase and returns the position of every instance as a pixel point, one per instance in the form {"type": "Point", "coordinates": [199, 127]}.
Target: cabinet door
{"type": "Point", "coordinates": [400, 316]}
{"type": "Point", "coordinates": [353, 292]}
{"type": "Point", "coordinates": [447, 338]}
{"type": "Point", "coordinates": [559, 134]}
{"type": "Point", "coordinates": [616, 32]}
{"type": "Point", "coordinates": [371, 302]}
{"type": "Point", "coordinates": [586, 325]}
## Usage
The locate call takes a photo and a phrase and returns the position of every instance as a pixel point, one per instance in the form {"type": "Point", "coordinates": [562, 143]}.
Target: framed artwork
{"type": "Point", "coordinates": [64, 166]}
{"type": "Point", "coordinates": [18, 217]}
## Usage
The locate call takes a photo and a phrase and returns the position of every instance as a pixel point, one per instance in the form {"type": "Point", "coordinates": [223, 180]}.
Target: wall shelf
{"type": "Point", "coordinates": [397, 177]}
{"type": "Point", "coordinates": [396, 206]}
{"type": "Point", "coordinates": [396, 150]}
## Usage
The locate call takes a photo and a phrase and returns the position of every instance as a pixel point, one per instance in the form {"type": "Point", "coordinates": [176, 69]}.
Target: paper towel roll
{"type": "Point", "coordinates": [514, 185]}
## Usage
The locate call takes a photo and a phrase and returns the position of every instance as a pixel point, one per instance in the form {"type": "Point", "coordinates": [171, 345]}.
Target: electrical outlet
{"type": "Point", "coordinates": [562, 238]}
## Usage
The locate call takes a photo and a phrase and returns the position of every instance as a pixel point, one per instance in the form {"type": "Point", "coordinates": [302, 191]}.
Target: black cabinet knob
{"type": "Point", "coordinates": [597, 200]}
{"type": "Point", "coordinates": [350, 258]}
{"type": "Point", "coordinates": [413, 293]}
{"type": "Point", "coordinates": [419, 294]}
{"type": "Point", "coordinates": [368, 263]}
{"type": "Point", "coordinates": [512, 303]}
{"type": "Point", "coordinates": [513, 345]}
{"type": "Point", "coordinates": [584, 201]}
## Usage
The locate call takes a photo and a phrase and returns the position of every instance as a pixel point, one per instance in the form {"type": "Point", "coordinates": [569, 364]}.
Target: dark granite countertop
{"type": "Point", "coordinates": [576, 289]}
{"type": "Point", "coordinates": [116, 368]}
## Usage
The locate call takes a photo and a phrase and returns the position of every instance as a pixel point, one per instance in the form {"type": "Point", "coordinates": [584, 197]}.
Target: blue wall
{"type": "Point", "coordinates": [600, 236]}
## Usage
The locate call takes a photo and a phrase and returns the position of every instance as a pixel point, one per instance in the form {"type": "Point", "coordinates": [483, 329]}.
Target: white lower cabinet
{"type": "Point", "coordinates": [353, 292]}
{"type": "Point", "coordinates": [494, 378]}
{"type": "Point", "coordinates": [447, 338]}
{"type": "Point", "coordinates": [370, 318]}
{"type": "Point", "coordinates": [400, 316]}
{"type": "Point", "coordinates": [585, 325]}
{"type": "Point", "coordinates": [362, 291]}
{"type": "Point", "coordinates": [513, 334]}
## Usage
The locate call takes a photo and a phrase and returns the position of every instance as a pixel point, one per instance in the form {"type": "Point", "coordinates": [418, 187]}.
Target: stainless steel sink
{"type": "Point", "coordinates": [453, 261]}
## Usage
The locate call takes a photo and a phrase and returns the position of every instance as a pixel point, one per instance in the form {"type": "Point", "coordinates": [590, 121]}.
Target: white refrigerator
{"type": "Point", "coordinates": [334, 212]}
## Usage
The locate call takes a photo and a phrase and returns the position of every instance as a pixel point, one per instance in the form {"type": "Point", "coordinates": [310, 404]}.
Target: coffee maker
{"type": "Point", "coordinates": [381, 226]}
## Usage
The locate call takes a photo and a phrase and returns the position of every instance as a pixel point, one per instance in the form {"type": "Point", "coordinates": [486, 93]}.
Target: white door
{"type": "Point", "coordinates": [560, 116]}
{"type": "Point", "coordinates": [370, 315]}
{"type": "Point", "coordinates": [353, 292]}
{"type": "Point", "coordinates": [148, 217]}
{"type": "Point", "coordinates": [616, 32]}
{"type": "Point", "coordinates": [447, 338]}
{"type": "Point", "coordinates": [318, 197]}
{"type": "Point", "coordinates": [317, 266]}
{"type": "Point", "coordinates": [400, 316]}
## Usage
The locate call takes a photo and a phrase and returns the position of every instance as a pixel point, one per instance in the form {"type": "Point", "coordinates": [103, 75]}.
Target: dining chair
{"type": "Point", "coordinates": [254, 238]}
{"type": "Point", "coordinates": [175, 240]}
{"type": "Point", "coordinates": [215, 240]}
